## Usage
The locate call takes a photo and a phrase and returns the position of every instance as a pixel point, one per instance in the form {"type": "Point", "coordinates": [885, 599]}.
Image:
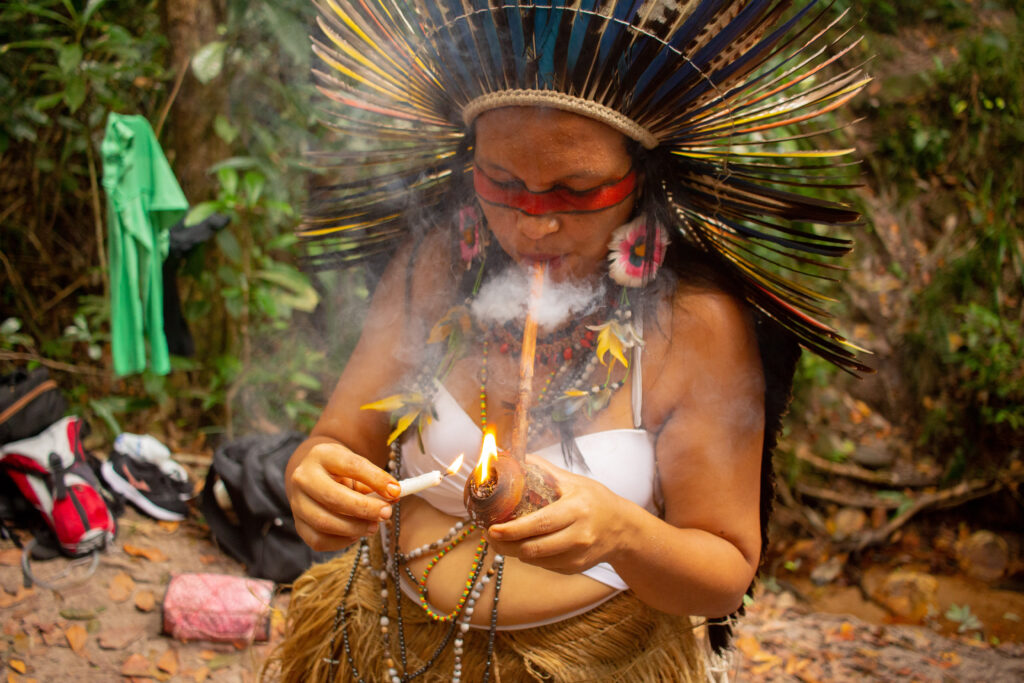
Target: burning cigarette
{"type": "Point", "coordinates": [426, 480]}
{"type": "Point", "coordinates": [520, 418]}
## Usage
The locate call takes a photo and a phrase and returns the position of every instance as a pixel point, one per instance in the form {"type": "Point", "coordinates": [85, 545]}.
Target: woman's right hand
{"type": "Point", "coordinates": [327, 485]}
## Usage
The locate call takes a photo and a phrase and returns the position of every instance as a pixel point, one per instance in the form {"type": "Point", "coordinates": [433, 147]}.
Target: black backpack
{"type": "Point", "coordinates": [29, 403]}
{"type": "Point", "coordinates": [263, 538]}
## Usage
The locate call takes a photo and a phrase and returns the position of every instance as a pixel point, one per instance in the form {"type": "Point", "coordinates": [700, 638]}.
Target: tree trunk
{"type": "Point", "coordinates": [192, 145]}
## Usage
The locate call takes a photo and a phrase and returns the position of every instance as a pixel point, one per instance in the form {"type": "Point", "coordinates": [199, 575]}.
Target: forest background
{"type": "Point", "coordinates": [930, 446]}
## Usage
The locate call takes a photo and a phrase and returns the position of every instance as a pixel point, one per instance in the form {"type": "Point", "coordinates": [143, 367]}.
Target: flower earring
{"type": "Point", "coordinates": [629, 253]}
{"type": "Point", "coordinates": [471, 233]}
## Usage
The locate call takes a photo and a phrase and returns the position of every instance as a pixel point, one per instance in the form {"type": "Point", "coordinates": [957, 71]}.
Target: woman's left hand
{"type": "Point", "coordinates": [582, 528]}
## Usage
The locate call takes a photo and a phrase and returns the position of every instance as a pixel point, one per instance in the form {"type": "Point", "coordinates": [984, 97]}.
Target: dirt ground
{"type": "Point", "coordinates": [108, 627]}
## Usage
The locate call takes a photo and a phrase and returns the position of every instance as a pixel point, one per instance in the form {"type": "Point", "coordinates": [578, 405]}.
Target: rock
{"type": "Point", "coordinates": [909, 595]}
{"type": "Point", "coordinates": [848, 522]}
{"type": "Point", "coordinates": [984, 555]}
{"type": "Point", "coordinates": [826, 572]}
{"type": "Point", "coordinates": [119, 638]}
{"type": "Point", "coordinates": [873, 455]}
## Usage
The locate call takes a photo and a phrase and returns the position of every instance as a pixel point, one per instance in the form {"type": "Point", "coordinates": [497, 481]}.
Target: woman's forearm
{"type": "Point", "coordinates": [680, 571]}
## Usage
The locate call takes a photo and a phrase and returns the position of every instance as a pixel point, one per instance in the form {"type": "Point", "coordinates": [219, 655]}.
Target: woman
{"type": "Point", "coordinates": [657, 393]}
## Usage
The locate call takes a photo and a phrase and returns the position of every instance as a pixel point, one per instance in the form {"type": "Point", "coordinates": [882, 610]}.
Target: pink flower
{"type": "Point", "coordinates": [628, 252]}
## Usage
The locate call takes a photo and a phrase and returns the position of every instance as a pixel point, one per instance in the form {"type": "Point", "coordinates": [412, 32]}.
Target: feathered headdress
{"type": "Point", "coordinates": [720, 86]}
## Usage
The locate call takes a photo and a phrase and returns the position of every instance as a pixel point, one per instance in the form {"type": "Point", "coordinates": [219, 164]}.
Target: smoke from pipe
{"type": "Point", "coordinates": [506, 297]}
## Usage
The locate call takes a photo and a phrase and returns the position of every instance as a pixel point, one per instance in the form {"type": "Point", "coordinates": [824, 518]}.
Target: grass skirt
{"type": "Point", "coordinates": [620, 640]}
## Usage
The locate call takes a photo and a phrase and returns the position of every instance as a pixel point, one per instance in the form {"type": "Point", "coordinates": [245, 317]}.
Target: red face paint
{"type": "Point", "coordinates": [556, 200]}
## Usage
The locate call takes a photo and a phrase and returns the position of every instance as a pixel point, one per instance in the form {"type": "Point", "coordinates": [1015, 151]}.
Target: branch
{"type": "Point", "coordinates": [861, 473]}
{"type": "Point", "coordinates": [955, 495]}
{"type": "Point", "coordinates": [64, 293]}
{"type": "Point", "coordinates": [807, 517]}
{"type": "Point", "coordinates": [56, 365]}
{"type": "Point", "coordinates": [859, 500]}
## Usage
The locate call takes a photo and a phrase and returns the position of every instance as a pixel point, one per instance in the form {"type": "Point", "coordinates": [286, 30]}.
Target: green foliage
{"type": "Point", "coordinates": [946, 144]}
{"type": "Point", "coordinates": [63, 68]}
{"type": "Point", "coordinates": [962, 615]}
{"type": "Point", "coordinates": [887, 16]}
{"type": "Point", "coordinates": [972, 310]}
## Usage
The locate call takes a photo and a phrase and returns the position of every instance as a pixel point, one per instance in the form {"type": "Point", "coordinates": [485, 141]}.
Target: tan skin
{"type": "Point", "coordinates": [703, 399]}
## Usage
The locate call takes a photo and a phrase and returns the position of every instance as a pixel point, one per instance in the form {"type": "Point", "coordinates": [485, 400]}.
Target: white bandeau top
{"type": "Point", "coordinates": [621, 459]}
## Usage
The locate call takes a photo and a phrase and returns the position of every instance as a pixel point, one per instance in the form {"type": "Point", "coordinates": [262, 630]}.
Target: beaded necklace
{"type": "Point", "coordinates": [458, 620]}
{"type": "Point", "coordinates": [572, 372]}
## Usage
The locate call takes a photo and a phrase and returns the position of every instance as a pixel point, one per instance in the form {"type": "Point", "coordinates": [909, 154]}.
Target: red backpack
{"type": "Point", "coordinates": [52, 471]}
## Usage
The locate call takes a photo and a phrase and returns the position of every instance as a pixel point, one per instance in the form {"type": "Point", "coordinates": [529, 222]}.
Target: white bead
{"type": "Point", "coordinates": [463, 627]}
{"type": "Point", "coordinates": [475, 595]}
{"type": "Point", "coordinates": [384, 592]}
{"type": "Point", "coordinates": [382, 575]}
{"type": "Point", "coordinates": [469, 610]}
{"type": "Point", "coordinates": [384, 621]}
{"type": "Point", "coordinates": [392, 672]}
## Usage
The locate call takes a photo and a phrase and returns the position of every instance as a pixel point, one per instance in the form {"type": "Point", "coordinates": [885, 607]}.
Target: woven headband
{"type": "Point", "coordinates": [557, 100]}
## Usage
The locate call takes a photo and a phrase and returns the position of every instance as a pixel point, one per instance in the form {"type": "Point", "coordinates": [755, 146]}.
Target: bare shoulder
{"type": "Point", "coordinates": [704, 349]}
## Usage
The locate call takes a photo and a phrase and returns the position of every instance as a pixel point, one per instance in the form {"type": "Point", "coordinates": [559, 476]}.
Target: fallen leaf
{"type": "Point", "coordinates": [764, 656]}
{"type": "Point", "coordinates": [79, 614]}
{"type": "Point", "coordinates": [207, 655]}
{"type": "Point", "coordinates": [121, 587]}
{"type": "Point", "coordinates": [209, 559]}
{"type": "Point", "coordinates": [201, 674]}
{"type": "Point", "coordinates": [145, 601]}
{"type": "Point", "coordinates": [762, 669]}
{"type": "Point", "coordinates": [76, 637]}
{"type": "Point", "coordinates": [18, 665]}
{"type": "Point", "coordinates": [53, 637]}
{"type": "Point", "coordinates": [136, 665]}
{"type": "Point", "coordinates": [949, 660]}
{"type": "Point", "coordinates": [151, 554]}
{"type": "Point", "coordinates": [10, 557]}
{"type": "Point", "coordinates": [795, 665]}
{"type": "Point", "coordinates": [168, 661]}
{"type": "Point", "coordinates": [7, 600]}
{"type": "Point", "coordinates": [168, 527]}
{"type": "Point", "coordinates": [749, 646]}
{"type": "Point", "coordinates": [278, 622]}
{"type": "Point", "coordinates": [118, 638]}
{"type": "Point", "coordinates": [221, 661]}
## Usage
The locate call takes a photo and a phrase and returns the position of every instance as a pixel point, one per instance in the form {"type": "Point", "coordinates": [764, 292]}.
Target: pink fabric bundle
{"type": "Point", "coordinates": [217, 607]}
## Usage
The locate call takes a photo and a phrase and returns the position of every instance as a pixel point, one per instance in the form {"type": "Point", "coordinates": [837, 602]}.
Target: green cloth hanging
{"type": "Point", "coordinates": [143, 201]}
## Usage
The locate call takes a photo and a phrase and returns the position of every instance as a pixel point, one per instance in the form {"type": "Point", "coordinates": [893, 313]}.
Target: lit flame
{"type": "Point", "coordinates": [456, 465]}
{"type": "Point", "coordinates": [488, 453]}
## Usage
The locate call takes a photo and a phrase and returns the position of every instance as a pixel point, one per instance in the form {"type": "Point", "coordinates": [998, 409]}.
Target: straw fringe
{"type": "Point", "coordinates": [621, 640]}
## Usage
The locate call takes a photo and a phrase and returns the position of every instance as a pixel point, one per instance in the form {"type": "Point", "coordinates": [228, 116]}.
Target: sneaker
{"type": "Point", "coordinates": [147, 487]}
{"type": "Point", "coordinates": [143, 448]}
